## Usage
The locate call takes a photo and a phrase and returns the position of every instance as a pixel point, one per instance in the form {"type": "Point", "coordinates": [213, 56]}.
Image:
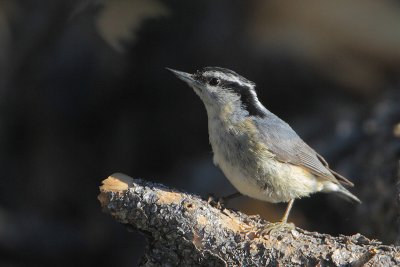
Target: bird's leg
{"type": "Point", "coordinates": [287, 211]}
{"type": "Point", "coordinates": [282, 224]}
{"type": "Point", "coordinates": [222, 200]}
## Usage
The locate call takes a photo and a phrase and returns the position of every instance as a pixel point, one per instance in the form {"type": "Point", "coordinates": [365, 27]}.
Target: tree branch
{"type": "Point", "coordinates": [185, 230]}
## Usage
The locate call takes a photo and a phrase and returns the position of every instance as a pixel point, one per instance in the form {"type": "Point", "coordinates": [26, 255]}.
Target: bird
{"type": "Point", "coordinates": [259, 153]}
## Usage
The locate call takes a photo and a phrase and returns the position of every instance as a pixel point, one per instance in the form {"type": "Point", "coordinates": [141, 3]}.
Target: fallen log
{"type": "Point", "coordinates": [185, 230]}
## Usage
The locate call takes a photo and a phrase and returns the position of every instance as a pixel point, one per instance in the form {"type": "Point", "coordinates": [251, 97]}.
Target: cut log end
{"type": "Point", "coordinates": [116, 182]}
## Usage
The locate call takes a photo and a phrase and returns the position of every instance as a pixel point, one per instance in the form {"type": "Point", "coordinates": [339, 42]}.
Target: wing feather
{"type": "Point", "coordinates": [288, 147]}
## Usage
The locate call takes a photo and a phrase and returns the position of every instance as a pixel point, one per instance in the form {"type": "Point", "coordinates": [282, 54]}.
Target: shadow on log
{"type": "Point", "coordinates": [185, 230]}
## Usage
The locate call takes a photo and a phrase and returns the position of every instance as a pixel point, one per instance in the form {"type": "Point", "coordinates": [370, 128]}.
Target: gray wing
{"type": "Point", "coordinates": [288, 147]}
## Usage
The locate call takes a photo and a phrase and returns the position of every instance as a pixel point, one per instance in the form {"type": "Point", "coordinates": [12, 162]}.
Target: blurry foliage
{"type": "Point", "coordinates": [84, 93]}
{"type": "Point", "coordinates": [354, 43]}
{"type": "Point", "coordinates": [119, 20]}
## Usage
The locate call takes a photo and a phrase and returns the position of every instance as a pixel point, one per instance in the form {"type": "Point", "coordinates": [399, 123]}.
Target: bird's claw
{"type": "Point", "coordinates": [216, 202]}
{"type": "Point", "coordinates": [273, 228]}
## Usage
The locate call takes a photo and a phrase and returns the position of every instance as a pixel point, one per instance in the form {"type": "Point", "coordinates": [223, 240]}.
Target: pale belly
{"type": "Point", "coordinates": [274, 182]}
{"type": "Point", "coordinates": [252, 169]}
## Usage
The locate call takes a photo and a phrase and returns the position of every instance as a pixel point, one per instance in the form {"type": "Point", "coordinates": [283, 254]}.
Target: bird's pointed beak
{"type": "Point", "coordinates": [186, 77]}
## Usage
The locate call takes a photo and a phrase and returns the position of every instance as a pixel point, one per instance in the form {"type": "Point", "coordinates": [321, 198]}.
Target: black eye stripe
{"type": "Point", "coordinates": [235, 83]}
{"type": "Point", "coordinates": [247, 98]}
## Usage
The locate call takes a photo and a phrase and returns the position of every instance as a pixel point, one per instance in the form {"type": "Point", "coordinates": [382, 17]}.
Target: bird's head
{"type": "Point", "coordinates": [218, 87]}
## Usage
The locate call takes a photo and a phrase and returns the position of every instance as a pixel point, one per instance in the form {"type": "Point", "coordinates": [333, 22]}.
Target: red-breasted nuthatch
{"type": "Point", "coordinates": [260, 154]}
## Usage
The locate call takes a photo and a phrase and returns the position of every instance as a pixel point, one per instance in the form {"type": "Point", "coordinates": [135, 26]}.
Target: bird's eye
{"type": "Point", "coordinates": [213, 81]}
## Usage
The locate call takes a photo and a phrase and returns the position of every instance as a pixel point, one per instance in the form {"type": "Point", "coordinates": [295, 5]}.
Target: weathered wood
{"type": "Point", "coordinates": [184, 230]}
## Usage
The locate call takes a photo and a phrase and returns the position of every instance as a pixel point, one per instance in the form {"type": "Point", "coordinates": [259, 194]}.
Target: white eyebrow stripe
{"type": "Point", "coordinates": [227, 77]}
{"type": "Point", "coordinates": [236, 79]}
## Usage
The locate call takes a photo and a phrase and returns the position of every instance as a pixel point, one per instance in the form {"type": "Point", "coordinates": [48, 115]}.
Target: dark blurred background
{"type": "Point", "coordinates": [84, 93]}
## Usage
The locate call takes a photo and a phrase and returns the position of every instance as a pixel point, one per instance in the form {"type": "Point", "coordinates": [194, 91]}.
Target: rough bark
{"type": "Point", "coordinates": [184, 230]}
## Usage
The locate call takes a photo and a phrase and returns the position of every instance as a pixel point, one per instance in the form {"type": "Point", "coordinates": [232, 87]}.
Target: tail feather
{"type": "Point", "coordinates": [345, 194]}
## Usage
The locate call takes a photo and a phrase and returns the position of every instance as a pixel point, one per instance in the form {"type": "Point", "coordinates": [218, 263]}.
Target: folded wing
{"type": "Point", "coordinates": [288, 147]}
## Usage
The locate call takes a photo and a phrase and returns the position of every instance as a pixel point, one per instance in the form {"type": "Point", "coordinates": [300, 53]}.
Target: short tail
{"type": "Point", "coordinates": [345, 194]}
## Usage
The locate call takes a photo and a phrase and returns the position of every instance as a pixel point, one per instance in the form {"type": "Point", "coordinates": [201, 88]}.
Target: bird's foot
{"type": "Point", "coordinates": [222, 201]}
{"type": "Point", "coordinates": [277, 227]}
{"type": "Point", "coordinates": [216, 202]}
